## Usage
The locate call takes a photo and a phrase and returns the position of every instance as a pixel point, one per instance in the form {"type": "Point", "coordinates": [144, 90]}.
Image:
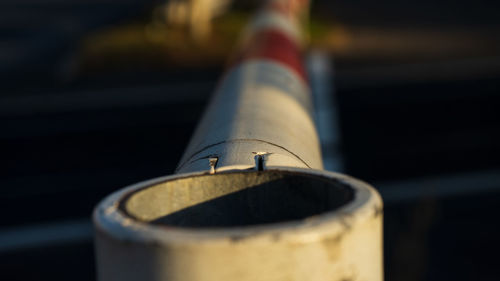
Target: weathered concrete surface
{"type": "Point", "coordinates": [248, 201]}
{"type": "Point", "coordinates": [286, 224]}
{"type": "Point", "coordinates": [263, 103]}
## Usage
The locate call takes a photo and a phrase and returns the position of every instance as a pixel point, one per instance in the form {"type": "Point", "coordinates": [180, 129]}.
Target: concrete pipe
{"type": "Point", "coordinates": [262, 108]}
{"type": "Point", "coordinates": [280, 224]}
{"type": "Point", "coordinates": [249, 200]}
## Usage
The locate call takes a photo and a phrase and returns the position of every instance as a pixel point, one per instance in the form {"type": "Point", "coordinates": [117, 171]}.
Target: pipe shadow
{"type": "Point", "coordinates": [293, 197]}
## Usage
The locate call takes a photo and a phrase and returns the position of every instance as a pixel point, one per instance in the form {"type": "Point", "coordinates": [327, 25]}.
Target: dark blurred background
{"type": "Point", "coordinates": [99, 94]}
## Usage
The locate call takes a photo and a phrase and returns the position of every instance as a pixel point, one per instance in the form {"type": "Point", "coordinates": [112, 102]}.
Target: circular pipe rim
{"type": "Point", "coordinates": [112, 221]}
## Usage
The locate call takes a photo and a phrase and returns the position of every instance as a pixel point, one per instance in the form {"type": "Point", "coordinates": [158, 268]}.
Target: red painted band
{"type": "Point", "coordinates": [274, 45]}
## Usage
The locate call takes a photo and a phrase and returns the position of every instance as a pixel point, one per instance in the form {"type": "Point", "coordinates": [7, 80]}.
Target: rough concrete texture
{"type": "Point", "coordinates": [283, 224]}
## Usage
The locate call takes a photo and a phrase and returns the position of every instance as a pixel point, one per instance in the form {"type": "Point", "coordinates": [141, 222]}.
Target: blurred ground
{"type": "Point", "coordinates": [82, 114]}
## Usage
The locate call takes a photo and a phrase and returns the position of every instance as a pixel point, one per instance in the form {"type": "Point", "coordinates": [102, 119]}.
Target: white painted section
{"type": "Point", "coordinates": [273, 20]}
{"type": "Point", "coordinates": [260, 106]}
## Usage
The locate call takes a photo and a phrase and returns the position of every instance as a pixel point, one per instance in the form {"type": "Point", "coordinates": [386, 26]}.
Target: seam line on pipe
{"type": "Point", "coordinates": [188, 161]}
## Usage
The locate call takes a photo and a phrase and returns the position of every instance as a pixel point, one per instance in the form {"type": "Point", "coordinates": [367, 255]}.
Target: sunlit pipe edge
{"type": "Point", "coordinates": [109, 219]}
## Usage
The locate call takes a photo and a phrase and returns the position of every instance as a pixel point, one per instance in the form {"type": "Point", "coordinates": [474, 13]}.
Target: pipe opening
{"type": "Point", "coordinates": [236, 199]}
